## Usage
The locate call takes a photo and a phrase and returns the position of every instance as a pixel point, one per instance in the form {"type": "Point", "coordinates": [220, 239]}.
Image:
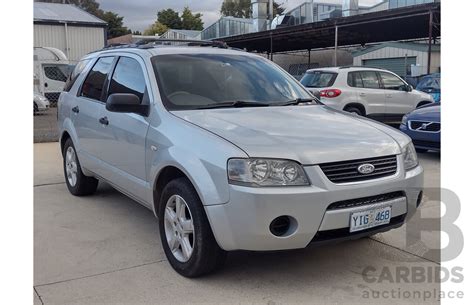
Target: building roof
{"type": "Point", "coordinates": [421, 47]}
{"type": "Point", "coordinates": [189, 33]}
{"type": "Point", "coordinates": [60, 13]}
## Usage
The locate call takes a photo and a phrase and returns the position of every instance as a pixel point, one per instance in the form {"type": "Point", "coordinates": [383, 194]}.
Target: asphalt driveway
{"type": "Point", "coordinates": [105, 249]}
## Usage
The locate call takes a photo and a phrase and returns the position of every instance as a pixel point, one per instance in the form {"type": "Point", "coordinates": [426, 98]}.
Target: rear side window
{"type": "Point", "coordinates": [318, 79]}
{"type": "Point", "coordinates": [355, 80]}
{"type": "Point", "coordinates": [93, 86]}
{"type": "Point", "coordinates": [128, 78]}
{"type": "Point", "coordinates": [75, 74]}
{"type": "Point", "coordinates": [370, 79]}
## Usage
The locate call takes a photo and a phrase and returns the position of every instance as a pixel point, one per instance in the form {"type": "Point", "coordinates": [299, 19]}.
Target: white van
{"type": "Point", "coordinates": [51, 70]}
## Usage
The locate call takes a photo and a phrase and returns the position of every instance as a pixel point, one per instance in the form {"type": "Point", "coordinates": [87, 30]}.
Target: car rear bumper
{"type": "Point", "coordinates": [244, 222]}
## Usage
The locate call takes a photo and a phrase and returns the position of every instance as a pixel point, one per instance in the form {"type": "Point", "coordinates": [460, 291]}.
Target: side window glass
{"type": "Point", "coordinates": [128, 78]}
{"type": "Point", "coordinates": [94, 83]}
{"type": "Point", "coordinates": [354, 80]}
{"type": "Point", "coordinates": [392, 82]}
{"type": "Point", "coordinates": [75, 74]}
{"type": "Point", "coordinates": [370, 79]}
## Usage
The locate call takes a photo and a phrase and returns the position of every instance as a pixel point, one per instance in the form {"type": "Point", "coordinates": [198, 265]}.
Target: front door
{"type": "Point", "coordinates": [124, 134]}
{"type": "Point", "coordinates": [398, 101]}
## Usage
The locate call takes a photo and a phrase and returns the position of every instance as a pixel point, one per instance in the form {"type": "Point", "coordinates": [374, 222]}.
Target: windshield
{"type": "Point", "coordinates": [318, 79]}
{"type": "Point", "coordinates": [433, 83]}
{"type": "Point", "coordinates": [193, 81]}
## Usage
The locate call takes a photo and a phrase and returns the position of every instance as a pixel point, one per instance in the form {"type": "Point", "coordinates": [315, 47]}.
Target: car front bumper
{"type": "Point", "coordinates": [423, 140]}
{"type": "Point", "coordinates": [243, 222]}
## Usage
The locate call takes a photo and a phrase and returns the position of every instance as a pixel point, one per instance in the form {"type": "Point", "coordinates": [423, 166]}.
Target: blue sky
{"type": "Point", "coordinates": [139, 14]}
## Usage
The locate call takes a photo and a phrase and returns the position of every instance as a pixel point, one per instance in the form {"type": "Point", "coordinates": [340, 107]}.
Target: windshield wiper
{"type": "Point", "coordinates": [299, 100]}
{"type": "Point", "coordinates": [234, 104]}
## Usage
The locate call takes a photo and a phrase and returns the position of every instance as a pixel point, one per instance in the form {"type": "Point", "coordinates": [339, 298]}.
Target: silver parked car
{"type": "Point", "coordinates": [230, 152]}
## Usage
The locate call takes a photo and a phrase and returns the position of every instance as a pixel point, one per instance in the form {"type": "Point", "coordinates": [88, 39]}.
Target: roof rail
{"type": "Point", "coordinates": [352, 66]}
{"type": "Point", "coordinates": [151, 42]}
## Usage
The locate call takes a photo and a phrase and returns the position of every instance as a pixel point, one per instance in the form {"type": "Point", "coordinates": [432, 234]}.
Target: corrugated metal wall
{"type": "Point", "coordinates": [390, 52]}
{"type": "Point", "coordinates": [81, 40]}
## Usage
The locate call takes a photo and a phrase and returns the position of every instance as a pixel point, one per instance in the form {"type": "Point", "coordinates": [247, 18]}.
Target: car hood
{"type": "Point", "coordinates": [427, 113]}
{"type": "Point", "coordinates": [307, 134]}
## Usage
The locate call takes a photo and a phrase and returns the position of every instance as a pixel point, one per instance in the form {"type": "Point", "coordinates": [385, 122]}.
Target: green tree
{"type": "Point", "coordinates": [156, 28]}
{"type": "Point", "coordinates": [136, 33]}
{"type": "Point", "coordinates": [190, 21]}
{"type": "Point", "coordinates": [115, 26]}
{"type": "Point", "coordinates": [243, 8]}
{"type": "Point", "coordinates": [236, 8]}
{"type": "Point", "coordinates": [169, 18]}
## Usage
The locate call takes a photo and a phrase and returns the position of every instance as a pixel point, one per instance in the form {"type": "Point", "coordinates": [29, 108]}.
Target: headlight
{"type": "Point", "coordinates": [410, 158]}
{"type": "Point", "coordinates": [404, 120]}
{"type": "Point", "coordinates": [265, 172]}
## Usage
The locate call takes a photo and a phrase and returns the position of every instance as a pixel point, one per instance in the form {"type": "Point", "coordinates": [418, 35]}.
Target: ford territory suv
{"type": "Point", "coordinates": [230, 152]}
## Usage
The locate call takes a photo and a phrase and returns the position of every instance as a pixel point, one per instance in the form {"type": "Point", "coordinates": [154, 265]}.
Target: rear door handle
{"type": "Point", "coordinates": [389, 95]}
{"type": "Point", "coordinates": [75, 109]}
{"type": "Point", "coordinates": [104, 120]}
{"type": "Point", "coordinates": [362, 94]}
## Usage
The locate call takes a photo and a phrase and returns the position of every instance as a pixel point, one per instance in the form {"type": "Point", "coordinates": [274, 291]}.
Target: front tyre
{"type": "Point", "coordinates": [186, 235]}
{"type": "Point", "coordinates": [77, 183]}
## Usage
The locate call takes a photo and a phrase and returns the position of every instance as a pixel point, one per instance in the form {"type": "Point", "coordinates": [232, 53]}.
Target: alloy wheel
{"type": "Point", "coordinates": [179, 228]}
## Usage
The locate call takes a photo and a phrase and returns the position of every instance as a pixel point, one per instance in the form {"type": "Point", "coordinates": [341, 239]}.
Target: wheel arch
{"type": "Point", "coordinates": [423, 103]}
{"type": "Point", "coordinates": [357, 105]}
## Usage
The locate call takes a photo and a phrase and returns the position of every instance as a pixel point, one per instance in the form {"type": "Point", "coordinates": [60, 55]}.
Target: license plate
{"type": "Point", "coordinates": [370, 218]}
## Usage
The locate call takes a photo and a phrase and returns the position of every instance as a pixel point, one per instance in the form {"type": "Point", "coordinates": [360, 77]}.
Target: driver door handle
{"type": "Point", "coordinates": [104, 120]}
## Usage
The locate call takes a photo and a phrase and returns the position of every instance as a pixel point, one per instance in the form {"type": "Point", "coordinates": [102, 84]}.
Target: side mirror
{"type": "Point", "coordinates": [127, 103]}
{"type": "Point", "coordinates": [408, 88]}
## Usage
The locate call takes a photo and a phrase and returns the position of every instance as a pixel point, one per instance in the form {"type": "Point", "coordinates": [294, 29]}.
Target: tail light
{"type": "Point", "coordinates": [330, 93]}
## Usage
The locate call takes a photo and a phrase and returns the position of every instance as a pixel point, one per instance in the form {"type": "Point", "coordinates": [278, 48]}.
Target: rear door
{"type": "Point", "coordinates": [367, 87]}
{"type": "Point", "coordinates": [398, 100]}
{"type": "Point", "coordinates": [86, 110]}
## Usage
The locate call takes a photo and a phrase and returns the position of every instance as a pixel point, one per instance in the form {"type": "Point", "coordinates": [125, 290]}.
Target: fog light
{"type": "Point", "coordinates": [280, 225]}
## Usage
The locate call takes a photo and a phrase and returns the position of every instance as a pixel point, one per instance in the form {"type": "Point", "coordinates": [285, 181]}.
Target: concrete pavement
{"type": "Point", "coordinates": [105, 249]}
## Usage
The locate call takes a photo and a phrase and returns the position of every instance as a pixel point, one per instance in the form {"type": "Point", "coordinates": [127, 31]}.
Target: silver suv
{"type": "Point", "coordinates": [230, 152]}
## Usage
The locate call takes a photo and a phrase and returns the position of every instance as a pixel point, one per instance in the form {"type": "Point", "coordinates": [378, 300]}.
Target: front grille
{"type": "Point", "coordinates": [424, 126]}
{"type": "Point", "coordinates": [326, 236]}
{"type": "Point", "coordinates": [350, 203]}
{"type": "Point", "coordinates": [347, 171]}
{"type": "Point", "coordinates": [52, 98]}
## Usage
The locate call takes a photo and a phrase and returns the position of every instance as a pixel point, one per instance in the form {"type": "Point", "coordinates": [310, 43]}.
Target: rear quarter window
{"type": "Point", "coordinates": [81, 65]}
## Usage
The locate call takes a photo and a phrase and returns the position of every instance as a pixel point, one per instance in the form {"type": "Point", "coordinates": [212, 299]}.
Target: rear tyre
{"type": "Point", "coordinates": [35, 108]}
{"type": "Point", "coordinates": [186, 235]}
{"type": "Point", "coordinates": [77, 183]}
{"type": "Point", "coordinates": [354, 110]}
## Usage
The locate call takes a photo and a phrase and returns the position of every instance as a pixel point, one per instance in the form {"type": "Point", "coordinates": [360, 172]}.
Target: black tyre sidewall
{"type": "Point", "coordinates": [205, 248]}
{"type": "Point", "coordinates": [84, 185]}
{"type": "Point", "coordinates": [353, 110]}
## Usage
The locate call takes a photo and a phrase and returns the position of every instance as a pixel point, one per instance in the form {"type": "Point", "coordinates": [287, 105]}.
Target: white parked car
{"type": "Point", "coordinates": [376, 93]}
{"type": "Point", "coordinates": [40, 103]}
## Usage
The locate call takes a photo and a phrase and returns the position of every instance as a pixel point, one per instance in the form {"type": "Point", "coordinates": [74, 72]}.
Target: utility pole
{"type": "Point", "coordinates": [335, 45]}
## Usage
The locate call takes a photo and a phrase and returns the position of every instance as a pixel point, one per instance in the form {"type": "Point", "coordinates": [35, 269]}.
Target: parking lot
{"type": "Point", "coordinates": [106, 249]}
{"type": "Point", "coordinates": [45, 128]}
